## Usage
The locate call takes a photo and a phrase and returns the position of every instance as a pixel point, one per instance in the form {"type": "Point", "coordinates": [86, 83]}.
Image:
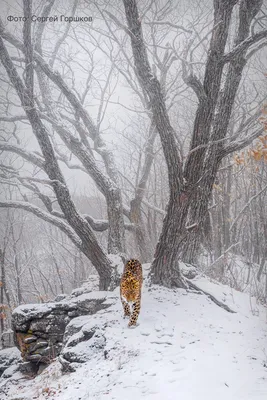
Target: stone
{"type": "Point", "coordinates": [30, 339]}
{"type": "Point", "coordinates": [8, 358]}
{"type": "Point", "coordinates": [67, 366]}
{"type": "Point", "coordinates": [73, 314]}
{"type": "Point", "coordinates": [41, 368]}
{"type": "Point", "coordinates": [7, 339]}
{"type": "Point", "coordinates": [38, 345]}
{"type": "Point", "coordinates": [81, 340]}
{"type": "Point", "coordinates": [34, 357]}
{"type": "Point", "coordinates": [60, 297]}
{"type": "Point", "coordinates": [189, 271]}
{"type": "Point", "coordinates": [83, 351]}
{"type": "Point", "coordinates": [28, 368]}
{"type": "Point", "coordinates": [10, 371]}
{"type": "Point", "coordinates": [41, 329]}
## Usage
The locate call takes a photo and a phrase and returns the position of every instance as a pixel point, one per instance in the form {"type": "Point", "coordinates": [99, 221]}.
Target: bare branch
{"type": "Point", "coordinates": [242, 47]}
{"type": "Point", "coordinates": [118, 23]}
{"type": "Point", "coordinates": [154, 208]}
{"type": "Point", "coordinates": [246, 206]}
{"type": "Point", "coordinates": [167, 23]}
{"type": "Point", "coordinates": [27, 38]}
{"type": "Point", "coordinates": [59, 223]}
{"type": "Point", "coordinates": [62, 38]}
{"type": "Point", "coordinates": [29, 156]}
{"type": "Point", "coordinates": [74, 101]}
{"type": "Point", "coordinates": [14, 119]}
{"type": "Point", "coordinates": [41, 26]}
{"type": "Point", "coordinates": [151, 86]}
{"type": "Point", "coordinates": [91, 248]}
{"type": "Point", "coordinates": [241, 143]}
{"type": "Point", "coordinates": [255, 50]}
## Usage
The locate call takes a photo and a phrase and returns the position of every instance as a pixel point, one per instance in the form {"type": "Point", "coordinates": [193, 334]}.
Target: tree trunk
{"type": "Point", "coordinates": [165, 267]}
{"type": "Point", "coordinates": [143, 242]}
{"type": "Point", "coordinates": [201, 172]}
{"type": "Point", "coordinates": [116, 238]}
{"type": "Point", "coordinates": [2, 320]}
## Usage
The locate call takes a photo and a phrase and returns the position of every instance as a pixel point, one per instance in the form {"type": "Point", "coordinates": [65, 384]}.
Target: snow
{"type": "Point", "coordinates": [238, 273]}
{"type": "Point", "coordinates": [87, 296]}
{"type": "Point", "coordinates": [28, 311]}
{"type": "Point", "coordinates": [11, 352]}
{"type": "Point", "coordinates": [117, 262]}
{"type": "Point", "coordinates": [185, 347]}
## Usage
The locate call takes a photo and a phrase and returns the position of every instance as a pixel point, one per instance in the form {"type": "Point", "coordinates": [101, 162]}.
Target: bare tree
{"type": "Point", "coordinates": [191, 184]}
{"type": "Point", "coordinates": [70, 221]}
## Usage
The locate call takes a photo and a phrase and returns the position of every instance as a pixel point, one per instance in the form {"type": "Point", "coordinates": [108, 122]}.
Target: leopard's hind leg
{"type": "Point", "coordinates": [135, 313]}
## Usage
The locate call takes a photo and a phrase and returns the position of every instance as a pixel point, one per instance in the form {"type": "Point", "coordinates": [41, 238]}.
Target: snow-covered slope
{"type": "Point", "coordinates": [185, 348]}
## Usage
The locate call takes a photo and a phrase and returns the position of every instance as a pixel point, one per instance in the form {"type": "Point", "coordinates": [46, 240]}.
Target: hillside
{"type": "Point", "coordinates": [185, 347]}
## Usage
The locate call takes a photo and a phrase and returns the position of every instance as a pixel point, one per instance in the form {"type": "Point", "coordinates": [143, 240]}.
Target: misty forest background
{"type": "Point", "coordinates": [140, 134]}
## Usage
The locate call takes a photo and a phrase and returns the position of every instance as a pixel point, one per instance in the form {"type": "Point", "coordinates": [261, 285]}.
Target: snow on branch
{"type": "Point", "coordinates": [59, 223]}
{"type": "Point", "coordinates": [15, 118]}
{"type": "Point", "coordinates": [241, 143]}
{"type": "Point", "coordinates": [154, 208]}
{"type": "Point", "coordinates": [29, 156]}
{"type": "Point", "coordinates": [244, 46]}
{"type": "Point", "coordinates": [101, 225]}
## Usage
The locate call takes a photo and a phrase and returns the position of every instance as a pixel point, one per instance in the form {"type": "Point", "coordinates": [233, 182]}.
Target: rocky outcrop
{"type": "Point", "coordinates": [82, 339]}
{"type": "Point", "coordinates": [8, 357]}
{"type": "Point", "coordinates": [39, 329]}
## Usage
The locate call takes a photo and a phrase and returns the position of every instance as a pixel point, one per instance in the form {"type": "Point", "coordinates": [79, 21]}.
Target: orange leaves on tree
{"type": "Point", "coordinates": [263, 118]}
{"type": "Point", "coordinates": [3, 315]}
{"type": "Point", "coordinates": [4, 307]}
{"type": "Point", "coordinates": [257, 152]}
{"type": "Point", "coordinates": [239, 159]}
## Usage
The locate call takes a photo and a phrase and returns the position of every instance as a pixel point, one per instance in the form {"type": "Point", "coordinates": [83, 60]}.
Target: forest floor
{"type": "Point", "coordinates": [185, 347]}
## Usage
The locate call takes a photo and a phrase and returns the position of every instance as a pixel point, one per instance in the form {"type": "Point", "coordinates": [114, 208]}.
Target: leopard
{"type": "Point", "coordinates": [130, 290]}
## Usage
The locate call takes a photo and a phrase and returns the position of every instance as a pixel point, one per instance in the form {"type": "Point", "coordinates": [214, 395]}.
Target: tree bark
{"type": "Point", "coordinates": [165, 266]}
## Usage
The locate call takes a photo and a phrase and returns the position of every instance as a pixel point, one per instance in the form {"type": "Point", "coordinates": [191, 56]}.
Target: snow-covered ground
{"type": "Point", "coordinates": [185, 348]}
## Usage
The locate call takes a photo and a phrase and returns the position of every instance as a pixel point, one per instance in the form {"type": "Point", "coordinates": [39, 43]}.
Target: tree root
{"type": "Point", "coordinates": [191, 285]}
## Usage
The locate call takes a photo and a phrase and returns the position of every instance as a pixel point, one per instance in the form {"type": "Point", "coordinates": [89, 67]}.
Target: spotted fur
{"type": "Point", "coordinates": [130, 290]}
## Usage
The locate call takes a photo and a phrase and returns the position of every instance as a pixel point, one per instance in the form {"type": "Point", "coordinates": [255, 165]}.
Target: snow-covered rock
{"type": "Point", "coordinates": [8, 357]}
{"type": "Point", "coordinates": [81, 340]}
{"type": "Point", "coordinates": [188, 270]}
{"type": "Point", "coordinates": [39, 328]}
